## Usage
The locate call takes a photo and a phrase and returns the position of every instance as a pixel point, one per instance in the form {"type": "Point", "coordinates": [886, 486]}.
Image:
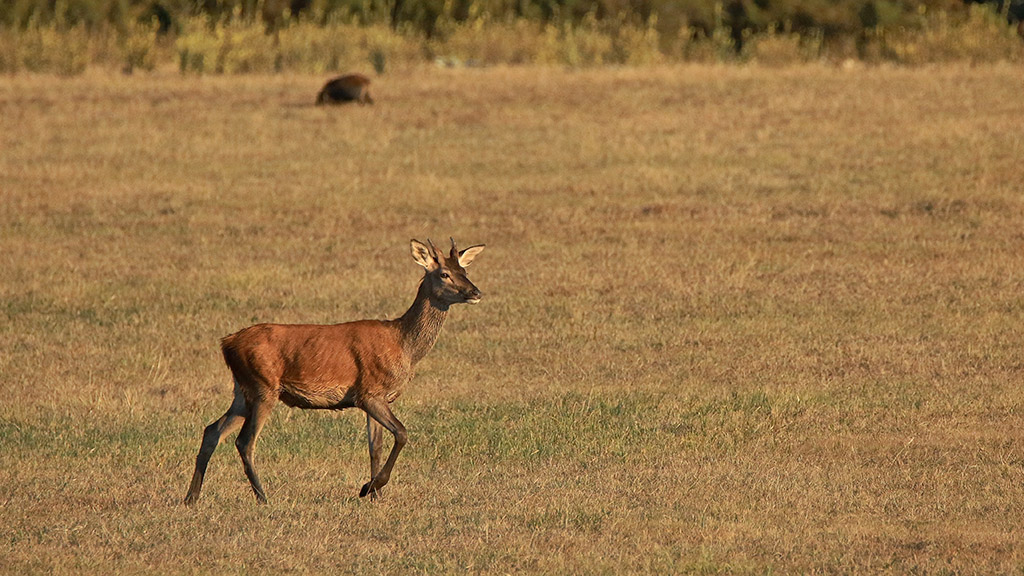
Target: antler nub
{"type": "Point", "coordinates": [434, 251]}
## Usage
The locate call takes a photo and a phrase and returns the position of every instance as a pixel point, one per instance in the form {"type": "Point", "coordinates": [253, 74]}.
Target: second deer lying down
{"type": "Point", "coordinates": [349, 88]}
{"type": "Point", "coordinates": [362, 364]}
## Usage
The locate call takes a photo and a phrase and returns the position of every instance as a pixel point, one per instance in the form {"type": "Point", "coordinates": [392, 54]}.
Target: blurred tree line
{"type": "Point", "coordinates": [738, 18]}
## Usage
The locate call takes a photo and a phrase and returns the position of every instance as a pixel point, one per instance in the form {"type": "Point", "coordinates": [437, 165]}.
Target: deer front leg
{"type": "Point", "coordinates": [375, 439]}
{"type": "Point", "coordinates": [246, 442]}
{"type": "Point", "coordinates": [379, 411]}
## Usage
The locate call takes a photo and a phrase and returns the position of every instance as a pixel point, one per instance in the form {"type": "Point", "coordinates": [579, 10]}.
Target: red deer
{"type": "Point", "coordinates": [350, 88]}
{"type": "Point", "coordinates": [363, 364]}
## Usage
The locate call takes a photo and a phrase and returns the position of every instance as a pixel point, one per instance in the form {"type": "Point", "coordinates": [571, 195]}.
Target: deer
{"type": "Point", "coordinates": [362, 364]}
{"type": "Point", "coordinates": [348, 88]}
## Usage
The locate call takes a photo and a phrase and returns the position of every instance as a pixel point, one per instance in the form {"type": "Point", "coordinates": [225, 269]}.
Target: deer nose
{"type": "Point", "coordinates": [473, 296]}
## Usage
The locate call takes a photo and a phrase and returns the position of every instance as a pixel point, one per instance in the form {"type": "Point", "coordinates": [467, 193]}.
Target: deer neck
{"type": "Point", "coordinates": [421, 324]}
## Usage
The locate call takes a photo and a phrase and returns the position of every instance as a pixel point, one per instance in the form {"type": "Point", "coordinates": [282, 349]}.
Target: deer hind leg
{"type": "Point", "coordinates": [213, 435]}
{"type": "Point", "coordinates": [246, 441]}
{"type": "Point", "coordinates": [379, 411]}
{"type": "Point", "coordinates": [375, 439]}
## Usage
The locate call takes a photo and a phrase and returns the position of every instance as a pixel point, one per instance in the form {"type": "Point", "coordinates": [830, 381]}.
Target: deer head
{"type": "Point", "coordinates": [445, 276]}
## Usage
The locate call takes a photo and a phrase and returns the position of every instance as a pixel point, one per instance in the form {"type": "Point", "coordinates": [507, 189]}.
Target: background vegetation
{"type": "Point", "coordinates": [316, 36]}
{"type": "Point", "coordinates": [735, 319]}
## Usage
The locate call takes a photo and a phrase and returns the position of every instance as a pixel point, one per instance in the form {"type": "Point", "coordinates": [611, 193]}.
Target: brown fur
{"type": "Point", "coordinates": [311, 366]}
{"type": "Point", "coordinates": [363, 364]}
{"type": "Point", "coordinates": [348, 88]}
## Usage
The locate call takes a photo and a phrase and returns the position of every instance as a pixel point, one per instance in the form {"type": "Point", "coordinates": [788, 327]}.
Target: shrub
{"type": "Point", "coordinates": [66, 36]}
{"type": "Point", "coordinates": [638, 45]}
{"type": "Point", "coordinates": [246, 48]}
{"type": "Point", "coordinates": [486, 41]}
{"type": "Point", "coordinates": [198, 47]}
{"type": "Point", "coordinates": [138, 46]}
{"type": "Point", "coordinates": [62, 50]}
{"type": "Point", "coordinates": [785, 48]}
{"type": "Point", "coordinates": [982, 35]}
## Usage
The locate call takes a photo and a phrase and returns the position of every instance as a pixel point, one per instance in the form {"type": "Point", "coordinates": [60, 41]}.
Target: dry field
{"type": "Point", "coordinates": [735, 320]}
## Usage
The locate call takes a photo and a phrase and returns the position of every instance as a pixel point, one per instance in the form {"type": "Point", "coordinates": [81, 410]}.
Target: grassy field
{"type": "Point", "coordinates": [735, 320]}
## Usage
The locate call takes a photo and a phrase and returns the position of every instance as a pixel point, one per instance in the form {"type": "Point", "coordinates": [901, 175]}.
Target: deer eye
{"type": "Point", "coordinates": [445, 275]}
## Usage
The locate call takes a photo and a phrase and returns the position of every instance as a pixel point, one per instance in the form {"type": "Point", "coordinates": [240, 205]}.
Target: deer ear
{"type": "Point", "coordinates": [422, 255]}
{"type": "Point", "coordinates": [466, 256]}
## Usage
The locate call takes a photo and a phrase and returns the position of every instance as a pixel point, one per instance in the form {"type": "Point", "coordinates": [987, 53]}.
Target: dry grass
{"type": "Point", "coordinates": [735, 319]}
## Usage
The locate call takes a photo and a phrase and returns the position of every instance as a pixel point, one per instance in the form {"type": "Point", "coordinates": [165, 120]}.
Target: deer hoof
{"type": "Point", "coordinates": [369, 490]}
